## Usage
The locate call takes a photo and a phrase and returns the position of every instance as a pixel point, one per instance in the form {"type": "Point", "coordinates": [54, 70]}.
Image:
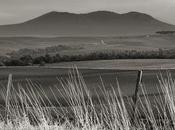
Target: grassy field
{"type": "Point", "coordinates": [130, 64]}
{"type": "Point", "coordinates": [56, 97]}
{"type": "Point", "coordinates": [83, 45]}
{"type": "Point", "coordinates": [109, 71]}
{"type": "Point", "coordinates": [32, 107]}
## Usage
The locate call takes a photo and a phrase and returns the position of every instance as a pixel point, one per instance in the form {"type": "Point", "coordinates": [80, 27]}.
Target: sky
{"type": "Point", "coordinates": [16, 11]}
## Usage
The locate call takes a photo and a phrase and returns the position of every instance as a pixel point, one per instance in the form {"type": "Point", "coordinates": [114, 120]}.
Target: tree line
{"type": "Point", "coordinates": [28, 60]}
{"type": "Point", "coordinates": [165, 32]}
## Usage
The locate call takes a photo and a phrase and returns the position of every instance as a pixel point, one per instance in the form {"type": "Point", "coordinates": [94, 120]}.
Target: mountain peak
{"type": "Point", "coordinates": [102, 13]}
{"type": "Point", "coordinates": [137, 14]}
{"type": "Point", "coordinates": [55, 13]}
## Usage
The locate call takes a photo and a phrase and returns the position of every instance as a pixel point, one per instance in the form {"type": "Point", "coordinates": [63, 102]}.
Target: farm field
{"type": "Point", "coordinates": [122, 64]}
{"type": "Point", "coordinates": [83, 45]}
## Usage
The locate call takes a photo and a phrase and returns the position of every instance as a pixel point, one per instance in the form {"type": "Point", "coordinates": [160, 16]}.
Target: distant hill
{"type": "Point", "coordinates": [100, 23]}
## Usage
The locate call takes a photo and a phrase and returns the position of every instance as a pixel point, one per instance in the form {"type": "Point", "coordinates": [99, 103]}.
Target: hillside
{"type": "Point", "coordinates": [82, 45]}
{"type": "Point", "coordinates": [100, 23]}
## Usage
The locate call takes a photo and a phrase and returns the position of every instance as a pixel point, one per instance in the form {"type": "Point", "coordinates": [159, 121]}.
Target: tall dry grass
{"type": "Point", "coordinates": [30, 108]}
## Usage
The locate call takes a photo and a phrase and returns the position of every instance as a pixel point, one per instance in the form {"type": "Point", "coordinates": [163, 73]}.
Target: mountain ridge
{"type": "Point", "coordinates": [97, 23]}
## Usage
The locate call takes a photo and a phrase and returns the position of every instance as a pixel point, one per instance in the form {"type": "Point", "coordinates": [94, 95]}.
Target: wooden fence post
{"type": "Point", "coordinates": [136, 93]}
{"type": "Point", "coordinates": [9, 84]}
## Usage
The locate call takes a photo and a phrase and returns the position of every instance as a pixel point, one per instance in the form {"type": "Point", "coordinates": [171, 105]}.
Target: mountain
{"type": "Point", "coordinates": [99, 23]}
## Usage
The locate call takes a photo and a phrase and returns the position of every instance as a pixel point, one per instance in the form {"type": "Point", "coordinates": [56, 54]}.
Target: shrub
{"type": "Point", "coordinates": [39, 60]}
{"type": "Point", "coordinates": [48, 58]}
{"type": "Point", "coordinates": [165, 32]}
{"type": "Point", "coordinates": [27, 60]}
{"type": "Point", "coordinates": [14, 62]}
{"type": "Point", "coordinates": [56, 58]}
{"type": "Point", "coordinates": [2, 64]}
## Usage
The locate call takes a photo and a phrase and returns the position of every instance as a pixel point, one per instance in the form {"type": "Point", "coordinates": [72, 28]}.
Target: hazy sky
{"type": "Point", "coordinates": [14, 11]}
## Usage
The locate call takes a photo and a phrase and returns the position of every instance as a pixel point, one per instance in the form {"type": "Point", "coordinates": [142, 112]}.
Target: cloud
{"type": "Point", "coordinates": [5, 15]}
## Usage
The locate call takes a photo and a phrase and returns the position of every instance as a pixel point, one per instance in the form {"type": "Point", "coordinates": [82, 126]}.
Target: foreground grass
{"type": "Point", "coordinates": [29, 108]}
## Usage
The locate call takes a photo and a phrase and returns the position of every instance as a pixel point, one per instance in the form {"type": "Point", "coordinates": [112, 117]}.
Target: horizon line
{"type": "Point", "coordinates": [89, 12]}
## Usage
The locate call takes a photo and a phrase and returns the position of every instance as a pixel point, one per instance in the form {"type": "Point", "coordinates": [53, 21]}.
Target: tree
{"type": "Point", "coordinates": [1, 63]}
{"type": "Point", "coordinates": [48, 58]}
{"type": "Point", "coordinates": [39, 60]}
{"type": "Point", "coordinates": [14, 62]}
{"type": "Point", "coordinates": [28, 60]}
{"type": "Point", "coordinates": [56, 58]}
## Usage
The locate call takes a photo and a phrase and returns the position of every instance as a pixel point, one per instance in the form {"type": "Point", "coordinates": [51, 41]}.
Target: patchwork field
{"type": "Point", "coordinates": [81, 45]}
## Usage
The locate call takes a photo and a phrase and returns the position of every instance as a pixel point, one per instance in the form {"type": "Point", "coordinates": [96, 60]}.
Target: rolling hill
{"type": "Point", "coordinates": [83, 45]}
{"type": "Point", "coordinates": [99, 23]}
